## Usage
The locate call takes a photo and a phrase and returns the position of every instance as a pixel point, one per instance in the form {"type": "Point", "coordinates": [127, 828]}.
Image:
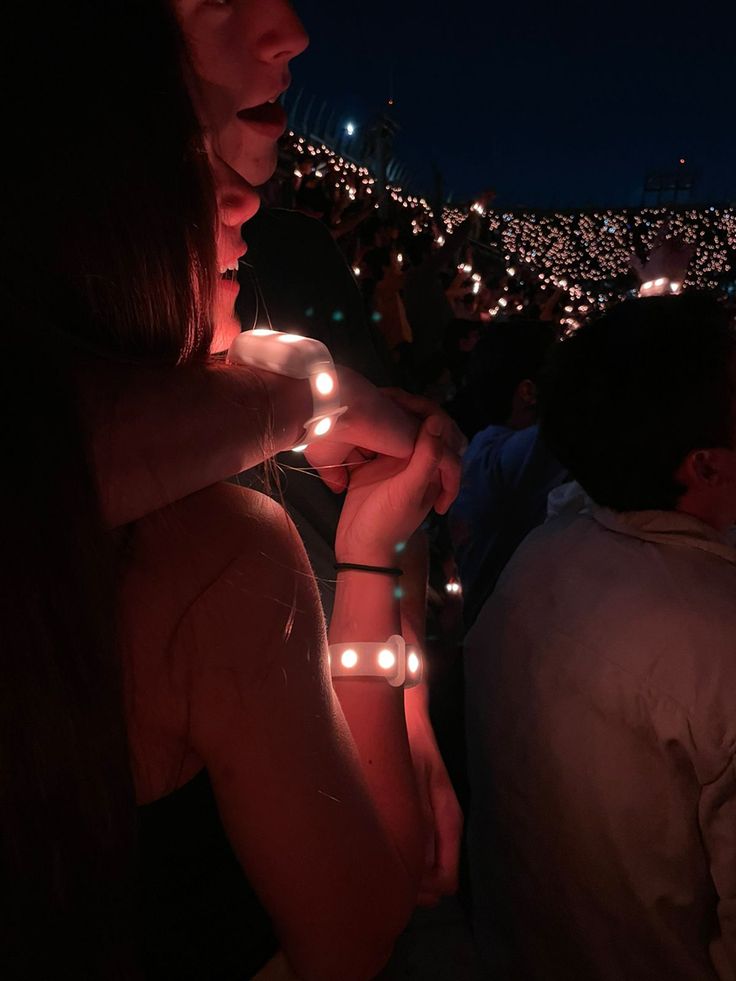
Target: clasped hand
{"type": "Point", "coordinates": [385, 423]}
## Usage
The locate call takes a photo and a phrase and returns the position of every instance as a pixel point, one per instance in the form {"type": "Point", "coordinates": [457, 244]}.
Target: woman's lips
{"type": "Point", "coordinates": [269, 119]}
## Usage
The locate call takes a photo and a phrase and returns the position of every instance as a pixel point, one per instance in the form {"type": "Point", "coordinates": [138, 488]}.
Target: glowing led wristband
{"type": "Point", "coordinates": [295, 357]}
{"type": "Point", "coordinates": [393, 661]}
{"type": "Point", "coordinates": [660, 287]}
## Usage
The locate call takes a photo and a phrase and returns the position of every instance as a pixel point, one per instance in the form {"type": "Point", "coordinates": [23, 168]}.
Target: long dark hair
{"type": "Point", "coordinates": [107, 223]}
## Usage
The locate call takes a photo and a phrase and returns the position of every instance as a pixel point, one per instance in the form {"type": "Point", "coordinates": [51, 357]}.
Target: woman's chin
{"type": "Point", "coordinates": [227, 324]}
{"type": "Point", "coordinates": [257, 168]}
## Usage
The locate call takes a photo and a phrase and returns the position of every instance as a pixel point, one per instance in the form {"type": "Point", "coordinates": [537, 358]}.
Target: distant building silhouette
{"type": "Point", "coordinates": [669, 187]}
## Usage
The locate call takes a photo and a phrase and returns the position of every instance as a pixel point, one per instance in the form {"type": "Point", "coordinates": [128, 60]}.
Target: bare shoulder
{"type": "Point", "coordinates": [216, 575]}
{"type": "Point", "coordinates": [212, 587]}
{"type": "Point", "coordinates": [192, 542]}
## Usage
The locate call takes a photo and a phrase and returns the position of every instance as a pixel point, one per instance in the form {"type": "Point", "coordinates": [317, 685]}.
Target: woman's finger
{"type": "Point", "coordinates": [423, 407]}
{"type": "Point", "coordinates": [450, 470]}
{"type": "Point", "coordinates": [327, 460]}
{"type": "Point", "coordinates": [422, 469]}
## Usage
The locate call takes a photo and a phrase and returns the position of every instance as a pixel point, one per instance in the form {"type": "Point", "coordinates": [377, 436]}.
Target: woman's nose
{"type": "Point", "coordinates": [285, 37]}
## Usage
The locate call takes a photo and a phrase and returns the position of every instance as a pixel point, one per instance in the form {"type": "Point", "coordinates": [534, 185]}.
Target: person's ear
{"type": "Point", "coordinates": [703, 469]}
{"type": "Point", "coordinates": [527, 393]}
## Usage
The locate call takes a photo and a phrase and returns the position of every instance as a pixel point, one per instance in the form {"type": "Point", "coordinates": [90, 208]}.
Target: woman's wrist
{"type": "Point", "coordinates": [372, 565]}
{"type": "Point", "coordinates": [367, 608]}
{"type": "Point", "coordinates": [291, 406]}
{"type": "Point", "coordinates": [376, 556]}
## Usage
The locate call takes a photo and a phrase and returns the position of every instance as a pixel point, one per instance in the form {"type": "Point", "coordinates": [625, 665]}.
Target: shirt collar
{"type": "Point", "coordinates": [668, 528]}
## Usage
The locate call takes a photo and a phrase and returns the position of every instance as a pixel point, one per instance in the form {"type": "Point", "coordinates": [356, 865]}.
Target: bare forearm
{"type": "Point", "coordinates": [158, 435]}
{"type": "Point", "coordinates": [414, 562]}
{"type": "Point", "coordinates": [366, 609]}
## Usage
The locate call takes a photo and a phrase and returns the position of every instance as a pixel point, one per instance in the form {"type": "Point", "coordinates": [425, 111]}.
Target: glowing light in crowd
{"type": "Point", "coordinates": [386, 659]}
{"type": "Point", "coordinates": [585, 254]}
{"type": "Point", "coordinates": [350, 129]}
{"type": "Point", "coordinates": [453, 587]}
{"type": "Point", "coordinates": [349, 659]}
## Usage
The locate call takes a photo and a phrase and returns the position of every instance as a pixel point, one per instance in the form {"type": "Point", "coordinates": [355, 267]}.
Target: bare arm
{"type": "Point", "coordinates": [160, 434]}
{"type": "Point", "coordinates": [366, 609]}
{"type": "Point", "coordinates": [324, 816]}
{"type": "Point", "coordinates": [314, 832]}
{"type": "Point", "coordinates": [386, 500]}
{"type": "Point", "coordinates": [443, 819]}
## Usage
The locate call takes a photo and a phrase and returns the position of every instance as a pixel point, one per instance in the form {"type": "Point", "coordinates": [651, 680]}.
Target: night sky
{"type": "Point", "coordinates": [551, 105]}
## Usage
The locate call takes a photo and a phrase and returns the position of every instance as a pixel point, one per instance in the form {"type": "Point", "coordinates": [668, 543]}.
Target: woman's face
{"type": "Point", "coordinates": [240, 51]}
{"type": "Point", "coordinates": [237, 203]}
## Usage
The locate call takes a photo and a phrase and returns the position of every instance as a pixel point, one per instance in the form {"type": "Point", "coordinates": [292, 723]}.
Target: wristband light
{"type": "Point", "coordinates": [295, 356]}
{"type": "Point", "coordinates": [660, 287]}
{"type": "Point", "coordinates": [392, 661]}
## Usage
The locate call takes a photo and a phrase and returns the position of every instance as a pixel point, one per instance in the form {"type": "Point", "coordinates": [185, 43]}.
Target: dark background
{"type": "Point", "coordinates": [552, 105]}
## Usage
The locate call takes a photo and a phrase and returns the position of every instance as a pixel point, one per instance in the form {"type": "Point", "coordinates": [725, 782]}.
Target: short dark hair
{"type": "Point", "coordinates": [629, 396]}
{"type": "Point", "coordinates": [458, 330]}
{"type": "Point", "coordinates": [506, 356]}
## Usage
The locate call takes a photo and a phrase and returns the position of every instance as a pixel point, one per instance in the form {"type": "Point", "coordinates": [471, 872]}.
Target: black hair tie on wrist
{"type": "Point", "coordinates": [378, 570]}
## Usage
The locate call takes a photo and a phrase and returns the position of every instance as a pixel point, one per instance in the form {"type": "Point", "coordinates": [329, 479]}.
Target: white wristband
{"type": "Point", "coordinates": [663, 286]}
{"type": "Point", "coordinates": [393, 661]}
{"type": "Point", "coordinates": [295, 356]}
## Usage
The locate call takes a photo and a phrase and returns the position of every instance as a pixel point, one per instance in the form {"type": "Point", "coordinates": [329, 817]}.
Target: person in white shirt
{"type": "Point", "coordinates": [601, 673]}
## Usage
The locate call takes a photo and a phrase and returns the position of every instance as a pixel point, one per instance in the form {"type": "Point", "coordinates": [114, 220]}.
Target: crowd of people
{"type": "Point", "coordinates": [279, 617]}
{"type": "Point", "coordinates": [426, 275]}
